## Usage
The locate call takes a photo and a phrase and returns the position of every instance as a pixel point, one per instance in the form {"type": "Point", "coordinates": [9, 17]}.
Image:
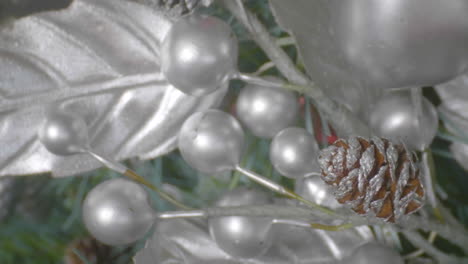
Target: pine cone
{"type": "Point", "coordinates": [374, 177]}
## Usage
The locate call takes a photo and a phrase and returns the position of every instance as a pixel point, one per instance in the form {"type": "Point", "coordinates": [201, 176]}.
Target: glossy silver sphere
{"type": "Point", "coordinates": [243, 237]}
{"type": "Point", "coordinates": [265, 111]}
{"type": "Point", "coordinates": [199, 54]}
{"type": "Point", "coordinates": [372, 253]}
{"type": "Point", "coordinates": [211, 141]}
{"type": "Point", "coordinates": [400, 43]}
{"type": "Point", "coordinates": [293, 152]}
{"type": "Point", "coordinates": [117, 212]}
{"type": "Point", "coordinates": [313, 188]}
{"type": "Point", "coordinates": [63, 133]}
{"type": "Point", "coordinates": [394, 117]}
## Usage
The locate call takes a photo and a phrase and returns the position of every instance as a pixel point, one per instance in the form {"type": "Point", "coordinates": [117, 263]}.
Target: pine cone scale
{"type": "Point", "coordinates": [373, 177]}
{"type": "Point", "coordinates": [353, 154]}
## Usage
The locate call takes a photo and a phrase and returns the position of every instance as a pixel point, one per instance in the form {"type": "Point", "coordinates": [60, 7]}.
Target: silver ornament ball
{"type": "Point", "coordinates": [199, 54]}
{"type": "Point", "coordinates": [265, 111]}
{"type": "Point", "coordinates": [394, 117]}
{"type": "Point", "coordinates": [211, 141]}
{"type": "Point", "coordinates": [313, 188]}
{"type": "Point", "coordinates": [293, 152]}
{"type": "Point", "coordinates": [400, 43]}
{"type": "Point", "coordinates": [372, 253]}
{"type": "Point", "coordinates": [243, 237]}
{"type": "Point", "coordinates": [117, 212]}
{"type": "Point", "coordinates": [63, 133]}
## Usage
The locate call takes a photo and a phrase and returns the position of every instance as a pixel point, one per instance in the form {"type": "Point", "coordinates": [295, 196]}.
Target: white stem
{"type": "Point", "coordinates": [181, 214]}
{"type": "Point", "coordinates": [417, 101]}
{"type": "Point", "coordinates": [265, 67]}
{"type": "Point", "coordinates": [267, 43]}
{"type": "Point", "coordinates": [417, 240]}
{"type": "Point", "coordinates": [454, 233]}
{"type": "Point", "coordinates": [427, 179]}
{"type": "Point", "coordinates": [244, 13]}
{"type": "Point", "coordinates": [264, 181]}
{"type": "Point", "coordinates": [253, 79]}
{"type": "Point", "coordinates": [291, 222]}
{"type": "Point", "coordinates": [113, 165]}
{"type": "Point", "coordinates": [313, 174]}
{"type": "Point", "coordinates": [286, 41]}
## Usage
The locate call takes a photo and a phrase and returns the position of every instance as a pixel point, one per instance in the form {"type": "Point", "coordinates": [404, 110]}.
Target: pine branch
{"type": "Point", "coordinates": [441, 257]}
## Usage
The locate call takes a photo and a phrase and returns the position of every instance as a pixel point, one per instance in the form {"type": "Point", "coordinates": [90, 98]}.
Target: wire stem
{"type": "Point", "coordinates": [332, 228]}
{"type": "Point", "coordinates": [281, 189]}
{"type": "Point", "coordinates": [120, 168]}
{"type": "Point", "coordinates": [134, 176]}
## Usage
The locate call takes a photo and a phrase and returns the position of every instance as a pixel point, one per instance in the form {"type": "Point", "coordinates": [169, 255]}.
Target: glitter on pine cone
{"type": "Point", "coordinates": [374, 177]}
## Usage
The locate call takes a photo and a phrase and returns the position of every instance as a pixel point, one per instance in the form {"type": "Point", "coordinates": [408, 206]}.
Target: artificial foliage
{"type": "Point", "coordinates": [44, 221]}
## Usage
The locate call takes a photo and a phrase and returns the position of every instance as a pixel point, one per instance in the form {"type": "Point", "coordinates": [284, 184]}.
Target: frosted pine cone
{"type": "Point", "coordinates": [374, 177]}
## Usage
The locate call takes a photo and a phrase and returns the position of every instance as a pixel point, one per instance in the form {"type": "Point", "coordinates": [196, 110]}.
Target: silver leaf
{"type": "Point", "coordinates": [309, 23]}
{"type": "Point", "coordinates": [175, 8]}
{"type": "Point", "coordinates": [454, 109]}
{"type": "Point", "coordinates": [182, 241]}
{"type": "Point", "coordinates": [99, 59]}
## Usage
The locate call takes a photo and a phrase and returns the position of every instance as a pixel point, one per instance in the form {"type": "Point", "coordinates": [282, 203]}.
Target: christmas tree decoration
{"type": "Point", "coordinates": [117, 212]}
{"type": "Point", "coordinates": [199, 54]}
{"type": "Point", "coordinates": [372, 253]}
{"type": "Point", "coordinates": [111, 88]}
{"type": "Point", "coordinates": [293, 152]}
{"type": "Point", "coordinates": [374, 177]}
{"type": "Point", "coordinates": [244, 237]}
{"type": "Point", "coordinates": [123, 98]}
{"type": "Point", "coordinates": [394, 117]}
{"type": "Point", "coordinates": [213, 141]}
{"type": "Point", "coordinates": [265, 111]}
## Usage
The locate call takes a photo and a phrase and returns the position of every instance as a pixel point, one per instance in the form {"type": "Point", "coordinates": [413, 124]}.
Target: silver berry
{"type": "Point", "coordinates": [243, 237]}
{"type": "Point", "coordinates": [117, 212]}
{"type": "Point", "coordinates": [199, 54]}
{"type": "Point", "coordinates": [265, 111]}
{"type": "Point", "coordinates": [394, 117]}
{"type": "Point", "coordinates": [211, 141]}
{"type": "Point", "coordinates": [63, 133]}
{"type": "Point", "coordinates": [293, 152]}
